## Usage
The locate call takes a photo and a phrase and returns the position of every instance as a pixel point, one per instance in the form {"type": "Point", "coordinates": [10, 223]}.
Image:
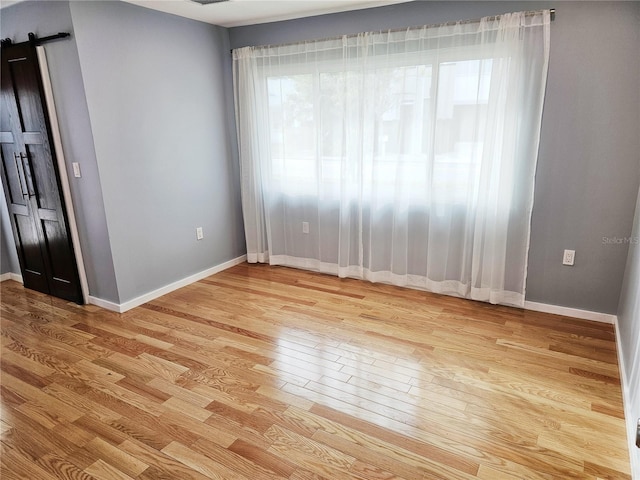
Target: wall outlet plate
{"type": "Point", "coordinates": [569, 257]}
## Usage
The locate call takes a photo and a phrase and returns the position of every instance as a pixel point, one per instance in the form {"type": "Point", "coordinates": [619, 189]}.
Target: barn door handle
{"type": "Point", "coordinates": [21, 177]}
{"type": "Point", "coordinates": [27, 174]}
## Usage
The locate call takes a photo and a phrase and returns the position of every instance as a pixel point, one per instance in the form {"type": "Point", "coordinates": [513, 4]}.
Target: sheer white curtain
{"type": "Point", "coordinates": [401, 157]}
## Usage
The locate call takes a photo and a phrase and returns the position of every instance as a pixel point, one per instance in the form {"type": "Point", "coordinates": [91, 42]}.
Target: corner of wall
{"type": "Point", "coordinates": [628, 340]}
{"type": "Point", "coordinates": [634, 453]}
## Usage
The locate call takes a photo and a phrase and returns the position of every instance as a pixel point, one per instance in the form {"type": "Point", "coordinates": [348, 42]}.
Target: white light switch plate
{"type": "Point", "coordinates": [76, 169]}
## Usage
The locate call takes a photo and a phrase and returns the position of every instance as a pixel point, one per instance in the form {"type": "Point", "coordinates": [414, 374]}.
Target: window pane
{"type": "Point", "coordinates": [423, 127]}
{"type": "Point", "coordinates": [463, 93]}
{"type": "Point", "coordinates": [293, 130]}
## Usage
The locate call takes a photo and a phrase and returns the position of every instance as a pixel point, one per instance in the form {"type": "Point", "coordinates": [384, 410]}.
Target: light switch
{"type": "Point", "coordinates": [76, 170]}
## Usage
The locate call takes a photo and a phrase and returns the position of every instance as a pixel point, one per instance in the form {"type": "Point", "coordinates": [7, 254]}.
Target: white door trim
{"type": "Point", "coordinates": [62, 171]}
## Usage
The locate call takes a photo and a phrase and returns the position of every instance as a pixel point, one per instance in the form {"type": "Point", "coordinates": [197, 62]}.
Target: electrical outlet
{"type": "Point", "coordinates": [569, 257]}
{"type": "Point", "coordinates": [199, 233]}
{"type": "Point", "coordinates": [305, 227]}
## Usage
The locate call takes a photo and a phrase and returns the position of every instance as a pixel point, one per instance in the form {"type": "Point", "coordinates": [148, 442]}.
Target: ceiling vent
{"type": "Point", "coordinates": [207, 2]}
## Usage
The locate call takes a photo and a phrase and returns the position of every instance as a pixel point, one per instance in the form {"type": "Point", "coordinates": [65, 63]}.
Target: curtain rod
{"type": "Point", "coordinates": [552, 14]}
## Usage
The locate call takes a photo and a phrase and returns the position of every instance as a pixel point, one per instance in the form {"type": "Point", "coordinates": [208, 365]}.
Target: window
{"type": "Point", "coordinates": [425, 123]}
{"type": "Point", "coordinates": [410, 154]}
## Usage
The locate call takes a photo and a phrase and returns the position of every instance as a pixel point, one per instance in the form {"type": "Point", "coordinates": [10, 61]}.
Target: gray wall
{"type": "Point", "coordinates": [588, 174]}
{"type": "Point", "coordinates": [158, 90]}
{"type": "Point", "coordinates": [629, 329]}
{"type": "Point", "coordinates": [587, 179]}
{"type": "Point", "coordinates": [46, 18]}
{"type": "Point", "coordinates": [8, 256]}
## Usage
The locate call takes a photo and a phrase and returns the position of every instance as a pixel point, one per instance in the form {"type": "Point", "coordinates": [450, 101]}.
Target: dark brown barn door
{"type": "Point", "coordinates": [30, 179]}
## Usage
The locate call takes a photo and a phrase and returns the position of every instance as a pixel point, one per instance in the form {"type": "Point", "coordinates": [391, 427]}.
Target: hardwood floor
{"type": "Point", "coordinates": [268, 373]}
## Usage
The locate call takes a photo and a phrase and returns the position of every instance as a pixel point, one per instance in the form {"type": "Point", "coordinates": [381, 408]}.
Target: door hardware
{"type": "Point", "coordinates": [24, 159]}
{"type": "Point", "coordinates": [21, 177]}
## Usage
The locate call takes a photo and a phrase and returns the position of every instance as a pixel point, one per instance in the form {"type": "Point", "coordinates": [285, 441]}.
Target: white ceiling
{"type": "Point", "coordinates": [234, 13]}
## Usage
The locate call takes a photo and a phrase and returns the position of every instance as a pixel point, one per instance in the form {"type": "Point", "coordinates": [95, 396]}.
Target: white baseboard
{"type": "Point", "coordinates": [106, 304]}
{"type": "Point", "coordinates": [571, 312]}
{"type": "Point", "coordinates": [147, 297]}
{"type": "Point", "coordinates": [16, 277]}
{"type": "Point", "coordinates": [123, 307]}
